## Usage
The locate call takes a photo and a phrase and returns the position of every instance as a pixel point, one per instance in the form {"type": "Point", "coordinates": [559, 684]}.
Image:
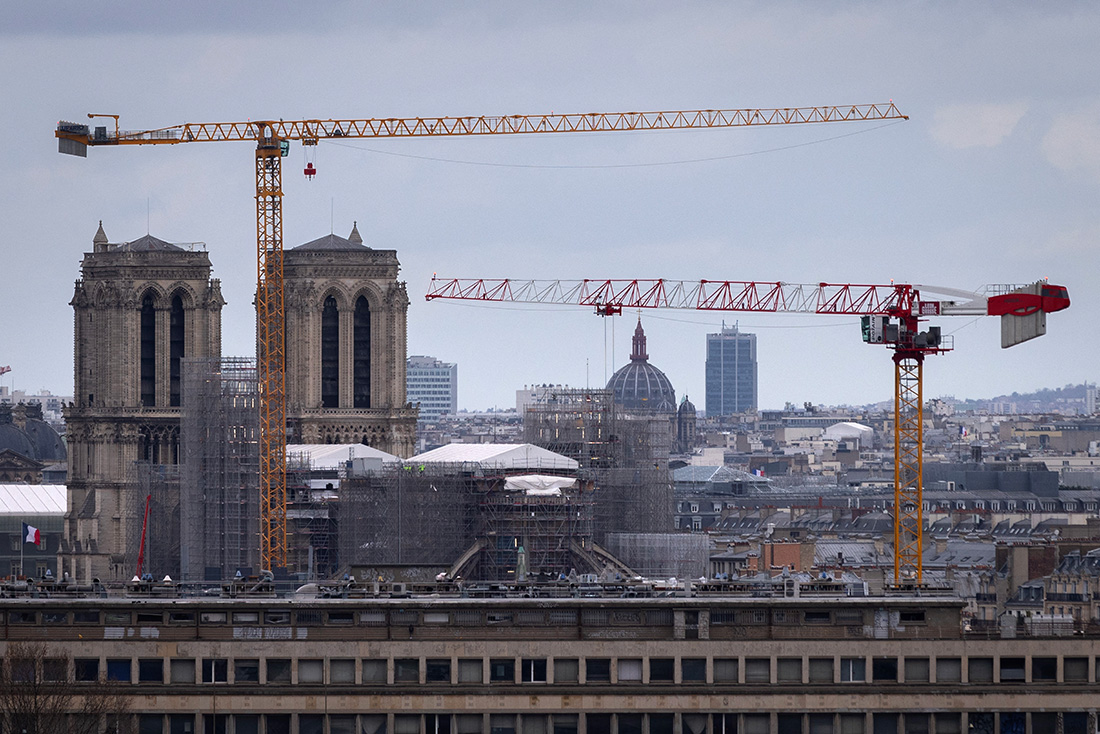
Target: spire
{"type": "Point", "coordinates": [354, 237]}
{"type": "Point", "coordinates": [638, 353]}
{"type": "Point", "coordinates": [99, 242]}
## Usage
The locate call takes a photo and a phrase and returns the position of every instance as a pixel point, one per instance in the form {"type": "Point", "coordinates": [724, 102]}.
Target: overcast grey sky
{"type": "Point", "coordinates": [993, 180]}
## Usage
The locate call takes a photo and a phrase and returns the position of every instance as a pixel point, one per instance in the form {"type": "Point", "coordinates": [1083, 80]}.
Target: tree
{"type": "Point", "coordinates": [36, 695]}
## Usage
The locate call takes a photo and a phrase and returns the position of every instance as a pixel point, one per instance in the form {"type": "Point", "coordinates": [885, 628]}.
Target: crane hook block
{"type": "Point", "coordinates": [310, 171]}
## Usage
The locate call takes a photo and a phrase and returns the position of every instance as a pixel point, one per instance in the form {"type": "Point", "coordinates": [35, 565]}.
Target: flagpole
{"type": "Point", "coordinates": [22, 547]}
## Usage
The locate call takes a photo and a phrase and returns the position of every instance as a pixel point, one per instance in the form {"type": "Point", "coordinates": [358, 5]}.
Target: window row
{"type": "Point", "coordinates": [1070, 722]}
{"type": "Point", "coordinates": [459, 618]}
{"type": "Point", "coordinates": [652, 670]}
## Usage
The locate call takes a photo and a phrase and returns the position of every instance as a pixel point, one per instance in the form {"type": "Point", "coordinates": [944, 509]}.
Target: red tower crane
{"type": "Point", "coordinates": [890, 315]}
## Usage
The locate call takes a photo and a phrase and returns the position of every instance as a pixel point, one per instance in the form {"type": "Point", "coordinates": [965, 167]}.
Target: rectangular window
{"type": "Point", "coordinates": [470, 670]}
{"type": "Point", "coordinates": [948, 670]}
{"type": "Point", "coordinates": [852, 723]}
{"type": "Point", "coordinates": [758, 670]}
{"type": "Point", "coordinates": [54, 617]}
{"type": "Point", "coordinates": [758, 723]}
{"type": "Point", "coordinates": [151, 670]}
{"type": "Point", "coordinates": [853, 670]}
{"type": "Point", "coordinates": [181, 724]}
{"type": "Point", "coordinates": [817, 618]}
{"type": "Point", "coordinates": [821, 723]}
{"type": "Point", "coordinates": [981, 670]}
{"type": "Point", "coordinates": [437, 670]}
{"type": "Point", "coordinates": [661, 670]}
{"type": "Point", "coordinates": [342, 670]}
{"type": "Point", "coordinates": [86, 669]}
{"type": "Point", "coordinates": [1012, 670]}
{"type": "Point", "coordinates": [56, 670]}
{"type": "Point", "coordinates": [884, 670]}
{"type": "Point", "coordinates": [597, 670]}
{"type": "Point", "coordinates": [277, 618]}
{"type": "Point", "coordinates": [246, 671]}
{"type": "Point", "coordinates": [911, 616]}
{"type": "Point", "coordinates": [947, 723]}
{"type": "Point", "coordinates": [660, 724]}
{"type": "Point", "coordinates": [119, 670]}
{"type": "Point", "coordinates": [885, 724]}
{"type": "Point", "coordinates": [565, 670]}
{"type": "Point", "coordinates": [789, 670]}
{"type": "Point", "coordinates": [1044, 670]}
{"type": "Point", "coordinates": [246, 617]}
{"type": "Point", "coordinates": [345, 724]}
{"type": "Point", "coordinates": [630, 670]}
{"type": "Point", "coordinates": [566, 723]}
{"type": "Point", "coordinates": [150, 724]}
{"type": "Point", "coordinates": [598, 723]}
{"type": "Point", "coordinates": [916, 670]}
{"type": "Point", "coordinates": [278, 670]}
{"type": "Point", "coordinates": [311, 724]}
{"type": "Point", "coordinates": [1075, 669]}
{"type": "Point", "coordinates": [821, 670]}
{"type": "Point", "coordinates": [533, 670]}
{"type": "Point", "coordinates": [502, 670]}
{"type": "Point", "coordinates": [311, 671]}
{"type": "Point", "coordinates": [374, 671]}
{"type": "Point", "coordinates": [406, 670]}
{"type": "Point", "coordinates": [215, 670]}
{"type": "Point", "coordinates": [181, 670]}
{"type": "Point", "coordinates": [210, 617]}
{"type": "Point", "coordinates": [693, 670]}
{"type": "Point", "coordinates": [725, 670]}
{"type": "Point", "coordinates": [90, 616]}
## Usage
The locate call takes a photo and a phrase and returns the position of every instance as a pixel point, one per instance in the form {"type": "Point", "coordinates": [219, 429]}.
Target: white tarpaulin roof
{"type": "Point", "coordinates": [32, 499]}
{"type": "Point", "coordinates": [497, 456]}
{"type": "Point", "coordinates": [539, 484]}
{"type": "Point", "coordinates": [333, 455]}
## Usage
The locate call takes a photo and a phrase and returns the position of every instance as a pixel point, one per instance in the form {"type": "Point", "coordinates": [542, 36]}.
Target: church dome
{"type": "Point", "coordinates": [23, 431]}
{"type": "Point", "coordinates": [639, 386]}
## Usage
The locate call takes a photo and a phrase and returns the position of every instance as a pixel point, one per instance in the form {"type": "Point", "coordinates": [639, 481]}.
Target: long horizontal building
{"type": "Point", "coordinates": [703, 660]}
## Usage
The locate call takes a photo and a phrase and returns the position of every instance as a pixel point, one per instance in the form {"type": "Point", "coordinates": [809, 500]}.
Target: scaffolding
{"type": "Point", "coordinates": [625, 453]}
{"type": "Point", "coordinates": [219, 491]}
{"type": "Point", "coordinates": [160, 485]}
{"type": "Point", "coordinates": [662, 555]}
{"type": "Point", "coordinates": [405, 515]}
{"type": "Point", "coordinates": [544, 528]}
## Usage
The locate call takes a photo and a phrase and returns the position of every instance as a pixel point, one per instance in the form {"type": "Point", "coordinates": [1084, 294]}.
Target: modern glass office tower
{"type": "Point", "coordinates": [731, 379]}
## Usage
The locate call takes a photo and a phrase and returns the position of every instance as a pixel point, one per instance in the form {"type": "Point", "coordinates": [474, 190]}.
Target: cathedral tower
{"type": "Point", "coordinates": [345, 345]}
{"type": "Point", "coordinates": [139, 308]}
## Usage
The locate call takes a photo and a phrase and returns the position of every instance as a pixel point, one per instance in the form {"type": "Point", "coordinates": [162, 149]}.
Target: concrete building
{"type": "Point", "coordinates": [139, 308]}
{"type": "Point", "coordinates": [346, 317]}
{"type": "Point", "coordinates": [783, 655]}
{"type": "Point", "coordinates": [432, 386]}
{"type": "Point", "coordinates": [731, 373]}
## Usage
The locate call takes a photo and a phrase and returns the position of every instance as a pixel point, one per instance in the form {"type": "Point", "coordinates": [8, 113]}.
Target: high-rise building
{"type": "Point", "coordinates": [731, 377]}
{"type": "Point", "coordinates": [433, 385]}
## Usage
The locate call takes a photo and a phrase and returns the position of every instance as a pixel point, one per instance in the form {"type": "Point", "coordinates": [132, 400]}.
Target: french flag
{"type": "Point", "coordinates": [31, 534]}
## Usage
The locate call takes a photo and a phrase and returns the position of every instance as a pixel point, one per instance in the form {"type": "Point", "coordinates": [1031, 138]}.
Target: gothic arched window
{"type": "Point", "coordinates": [361, 365]}
{"type": "Point", "coordinates": [148, 351]}
{"type": "Point", "coordinates": [330, 355]}
{"type": "Point", "coordinates": [175, 350]}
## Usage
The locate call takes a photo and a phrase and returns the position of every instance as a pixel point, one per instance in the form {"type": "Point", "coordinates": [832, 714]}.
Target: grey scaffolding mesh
{"type": "Point", "coordinates": [626, 454]}
{"type": "Point", "coordinates": [159, 483]}
{"type": "Point", "coordinates": [219, 489]}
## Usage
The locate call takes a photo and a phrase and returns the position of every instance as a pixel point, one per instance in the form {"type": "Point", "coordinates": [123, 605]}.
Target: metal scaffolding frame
{"type": "Point", "coordinates": [625, 453]}
{"type": "Point", "coordinates": [160, 483]}
{"type": "Point", "coordinates": [661, 555]}
{"type": "Point", "coordinates": [219, 476]}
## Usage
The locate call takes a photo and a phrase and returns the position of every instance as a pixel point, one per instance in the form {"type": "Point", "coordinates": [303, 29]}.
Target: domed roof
{"type": "Point", "coordinates": [639, 386]}
{"type": "Point", "coordinates": [23, 431]}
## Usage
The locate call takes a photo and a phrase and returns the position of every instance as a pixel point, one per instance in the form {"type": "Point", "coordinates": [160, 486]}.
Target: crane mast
{"type": "Point", "coordinates": [890, 315]}
{"type": "Point", "coordinates": [272, 142]}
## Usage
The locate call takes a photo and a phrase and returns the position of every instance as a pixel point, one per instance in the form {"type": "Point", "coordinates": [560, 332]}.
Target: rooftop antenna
{"type": "Point", "coordinates": [331, 217]}
{"type": "Point", "coordinates": [147, 217]}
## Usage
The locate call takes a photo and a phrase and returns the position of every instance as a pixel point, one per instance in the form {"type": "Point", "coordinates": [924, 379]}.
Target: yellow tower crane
{"type": "Point", "coordinates": [272, 139]}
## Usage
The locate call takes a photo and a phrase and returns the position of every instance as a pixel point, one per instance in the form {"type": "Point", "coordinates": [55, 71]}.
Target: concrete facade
{"type": "Point", "coordinates": [686, 665]}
